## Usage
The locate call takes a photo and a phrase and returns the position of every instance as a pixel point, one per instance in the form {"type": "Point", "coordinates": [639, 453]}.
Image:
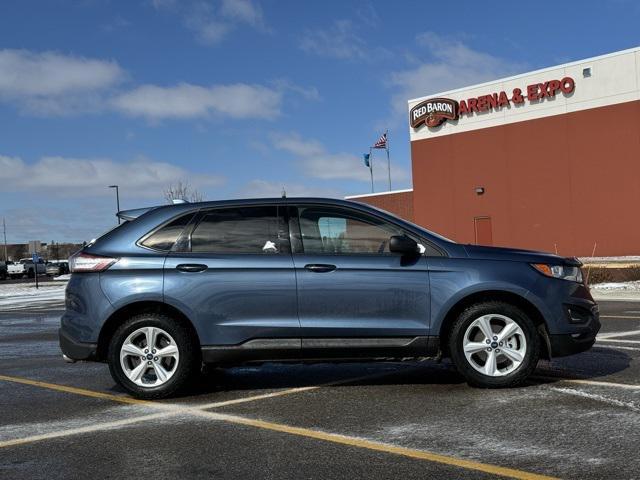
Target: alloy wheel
{"type": "Point", "coordinates": [149, 357]}
{"type": "Point", "coordinates": [494, 345]}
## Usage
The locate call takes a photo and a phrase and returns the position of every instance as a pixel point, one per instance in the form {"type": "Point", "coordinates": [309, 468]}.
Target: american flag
{"type": "Point", "coordinates": [382, 141]}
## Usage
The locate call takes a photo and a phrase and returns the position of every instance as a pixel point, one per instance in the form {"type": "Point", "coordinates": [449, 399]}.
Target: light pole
{"type": "Point", "coordinates": [4, 228]}
{"type": "Point", "coordinates": [117, 199]}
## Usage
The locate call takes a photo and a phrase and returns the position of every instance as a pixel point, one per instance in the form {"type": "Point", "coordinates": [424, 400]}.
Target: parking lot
{"type": "Point", "coordinates": [579, 417]}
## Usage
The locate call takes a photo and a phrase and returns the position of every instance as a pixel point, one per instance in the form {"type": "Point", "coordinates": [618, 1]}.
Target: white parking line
{"type": "Point", "coordinates": [629, 333]}
{"type": "Point", "coordinates": [630, 317]}
{"type": "Point", "coordinates": [620, 347]}
{"type": "Point", "coordinates": [599, 398]}
{"type": "Point", "coordinates": [612, 340]}
{"type": "Point", "coordinates": [88, 429]}
{"type": "Point", "coordinates": [625, 386]}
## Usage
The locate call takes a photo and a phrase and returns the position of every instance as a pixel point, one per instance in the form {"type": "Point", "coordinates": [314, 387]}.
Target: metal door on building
{"type": "Point", "coordinates": [483, 230]}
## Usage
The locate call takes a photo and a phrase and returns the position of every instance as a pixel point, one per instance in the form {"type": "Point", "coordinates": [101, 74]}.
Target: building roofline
{"type": "Point", "coordinates": [525, 74]}
{"type": "Point", "coordinates": [377, 194]}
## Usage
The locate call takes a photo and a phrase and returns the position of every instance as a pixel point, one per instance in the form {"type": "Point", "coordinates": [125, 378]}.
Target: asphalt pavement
{"type": "Point", "coordinates": [578, 417]}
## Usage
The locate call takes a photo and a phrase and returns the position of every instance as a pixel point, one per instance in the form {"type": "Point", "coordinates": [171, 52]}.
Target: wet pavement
{"type": "Point", "coordinates": [578, 417]}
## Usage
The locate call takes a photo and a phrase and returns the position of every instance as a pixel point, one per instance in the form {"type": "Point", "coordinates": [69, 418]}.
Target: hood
{"type": "Point", "coordinates": [481, 252]}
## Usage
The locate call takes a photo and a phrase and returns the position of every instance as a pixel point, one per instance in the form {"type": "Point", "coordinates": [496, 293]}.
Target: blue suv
{"type": "Point", "coordinates": [178, 286]}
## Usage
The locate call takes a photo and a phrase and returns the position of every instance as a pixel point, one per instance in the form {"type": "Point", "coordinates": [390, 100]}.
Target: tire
{"type": "Point", "coordinates": [516, 356]}
{"type": "Point", "coordinates": [168, 332]}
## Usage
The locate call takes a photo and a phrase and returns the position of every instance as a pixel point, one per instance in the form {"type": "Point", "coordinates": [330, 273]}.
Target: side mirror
{"type": "Point", "coordinates": [403, 245]}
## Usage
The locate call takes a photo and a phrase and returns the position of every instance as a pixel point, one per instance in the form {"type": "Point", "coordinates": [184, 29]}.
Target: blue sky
{"type": "Point", "coordinates": [243, 97]}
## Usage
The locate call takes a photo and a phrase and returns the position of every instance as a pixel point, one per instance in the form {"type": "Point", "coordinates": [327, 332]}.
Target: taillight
{"type": "Point", "coordinates": [83, 262]}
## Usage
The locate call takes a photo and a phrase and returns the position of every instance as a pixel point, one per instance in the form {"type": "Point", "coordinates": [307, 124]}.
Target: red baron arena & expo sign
{"type": "Point", "coordinates": [436, 111]}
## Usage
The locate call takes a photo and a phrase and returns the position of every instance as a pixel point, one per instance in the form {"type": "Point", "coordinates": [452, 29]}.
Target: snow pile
{"type": "Point", "coordinates": [26, 295]}
{"type": "Point", "coordinates": [617, 286]}
{"type": "Point", "coordinates": [627, 259]}
{"type": "Point", "coordinates": [63, 278]}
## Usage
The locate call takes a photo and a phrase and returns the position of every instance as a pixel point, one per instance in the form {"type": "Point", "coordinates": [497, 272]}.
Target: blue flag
{"type": "Point", "coordinates": [366, 159]}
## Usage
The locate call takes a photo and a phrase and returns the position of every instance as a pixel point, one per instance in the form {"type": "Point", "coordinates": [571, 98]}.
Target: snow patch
{"type": "Point", "coordinates": [633, 286]}
{"type": "Point", "coordinates": [23, 295]}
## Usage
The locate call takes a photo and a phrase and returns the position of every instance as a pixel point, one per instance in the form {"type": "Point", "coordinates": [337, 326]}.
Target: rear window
{"type": "Point", "coordinates": [164, 238]}
{"type": "Point", "coordinates": [254, 230]}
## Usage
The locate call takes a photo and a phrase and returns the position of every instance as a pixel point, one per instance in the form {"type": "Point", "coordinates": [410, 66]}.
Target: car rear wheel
{"type": "Point", "coordinates": [494, 344]}
{"type": "Point", "coordinates": [153, 356]}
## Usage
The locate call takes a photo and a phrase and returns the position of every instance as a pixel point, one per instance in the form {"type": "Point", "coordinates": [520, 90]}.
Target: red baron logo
{"type": "Point", "coordinates": [435, 111]}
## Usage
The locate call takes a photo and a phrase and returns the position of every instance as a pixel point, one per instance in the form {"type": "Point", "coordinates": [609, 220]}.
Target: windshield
{"type": "Point", "coordinates": [437, 235]}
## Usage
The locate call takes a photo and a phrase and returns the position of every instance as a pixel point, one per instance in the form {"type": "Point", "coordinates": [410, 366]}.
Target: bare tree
{"type": "Point", "coordinates": [182, 191]}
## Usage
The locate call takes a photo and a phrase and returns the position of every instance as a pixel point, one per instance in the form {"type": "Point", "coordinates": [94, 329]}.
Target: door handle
{"type": "Point", "coordinates": [320, 267]}
{"type": "Point", "coordinates": [191, 267]}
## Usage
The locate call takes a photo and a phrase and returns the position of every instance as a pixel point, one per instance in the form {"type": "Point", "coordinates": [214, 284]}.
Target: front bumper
{"type": "Point", "coordinates": [76, 350]}
{"type": "Point", "coordinates": [585, 324]}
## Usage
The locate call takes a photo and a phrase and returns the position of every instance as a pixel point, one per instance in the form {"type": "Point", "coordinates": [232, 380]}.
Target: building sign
{"type": "Point", "coordinates": [436, 111]}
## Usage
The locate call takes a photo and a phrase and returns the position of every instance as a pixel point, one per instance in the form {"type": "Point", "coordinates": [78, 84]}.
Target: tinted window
{"type": "Point", "coordinates": [337, 231]}
{"type": "Point", "coordinates": [241, 230]}
{"type": "Point", "coordinates": [165, 237]}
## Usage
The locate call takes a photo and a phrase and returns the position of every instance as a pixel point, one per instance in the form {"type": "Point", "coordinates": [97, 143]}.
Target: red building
{"type": "Point", "coordinates": [547, 160]}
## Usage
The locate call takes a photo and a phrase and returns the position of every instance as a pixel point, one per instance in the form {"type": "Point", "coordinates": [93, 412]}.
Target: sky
{"type": "Point", "coordinates": [242, 98]}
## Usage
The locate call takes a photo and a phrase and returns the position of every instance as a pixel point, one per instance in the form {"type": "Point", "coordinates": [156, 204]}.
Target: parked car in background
{"type": "Point", "coordinates": [30, 268]}
{"type": "Point", "coordinates": [57, 267]}
{"type": "Point", "coordinates": [3, 271]}
{"type": "Point", "coordinates": [304, 279]}
{"type": "Point", "coordinates": [53, 269]}
{"type": "Point", "coordinates": [15, 269]}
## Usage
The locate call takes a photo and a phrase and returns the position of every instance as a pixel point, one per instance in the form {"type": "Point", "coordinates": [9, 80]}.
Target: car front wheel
{"type": "Point", "coordinates": [153, 356]}
{"type": "Point", "coordinates": [494, 344]}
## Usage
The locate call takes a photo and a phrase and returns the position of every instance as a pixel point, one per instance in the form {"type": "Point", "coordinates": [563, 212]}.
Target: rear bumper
{"type": "Point", "coordinates": [76, 350]}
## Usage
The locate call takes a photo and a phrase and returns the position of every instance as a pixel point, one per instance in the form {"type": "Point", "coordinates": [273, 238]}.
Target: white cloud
{"type": "Point", "coordinates": [451, 64]}
{"type": "Point", "coordinates": [318, 163]}
{"type": "Point", "coordinates": [243, 11]}
{"type": "Point", "coordinates": [337, 41]}
{"type": "Point", "coordinates": [52, 83]}
{"type": "Point", "coordinates": [211, 21]}
{"type": "Point", "coordinates": [208, 27]}
{"type": "Point", "coordinates": [25, 73]}
{"type": "Point", "coordinates": [159, 4]}
{"type": "Point", "coordinates": [68, 177]}
{"type": "Point", "coordinates": [185, 100]}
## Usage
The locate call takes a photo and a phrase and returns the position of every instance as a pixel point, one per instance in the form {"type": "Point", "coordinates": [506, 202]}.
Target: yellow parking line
{"type": "Point", "coordinates": [277, 427]}
{"type": "Point", "coordinates": [77, 391]}
{"type": "Point", "coordinates": [377, 446]}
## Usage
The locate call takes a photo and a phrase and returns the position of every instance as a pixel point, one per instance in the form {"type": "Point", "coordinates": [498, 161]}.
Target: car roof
{"type": "Point", "coordinates": [186, 206]}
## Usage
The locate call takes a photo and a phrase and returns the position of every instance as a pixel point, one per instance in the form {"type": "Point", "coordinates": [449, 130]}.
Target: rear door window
{"type": "Point", "coordinates": [242, 230]}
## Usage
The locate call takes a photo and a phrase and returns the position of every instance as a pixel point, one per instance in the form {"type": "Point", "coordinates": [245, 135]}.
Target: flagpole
{"type": "Point", "coordinates": [371, 167]}
{"type": "Point", "coordinates": [388, 159]}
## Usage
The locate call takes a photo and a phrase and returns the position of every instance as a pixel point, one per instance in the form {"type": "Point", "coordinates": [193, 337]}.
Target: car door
{"type": "Point", "coordinates": [353, 293]}
{"type": "Point", "coordinates": [233, 271]}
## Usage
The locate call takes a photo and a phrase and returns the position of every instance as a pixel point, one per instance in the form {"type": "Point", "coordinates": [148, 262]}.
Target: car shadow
{"type": "Point", "coordinates": [276, 376]}
{"type": "Point", "coordinates": [596, 363]}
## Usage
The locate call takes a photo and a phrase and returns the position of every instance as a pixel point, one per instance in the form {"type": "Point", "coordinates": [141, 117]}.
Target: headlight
{"type": "Point", "coordinates": [563, 272]}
